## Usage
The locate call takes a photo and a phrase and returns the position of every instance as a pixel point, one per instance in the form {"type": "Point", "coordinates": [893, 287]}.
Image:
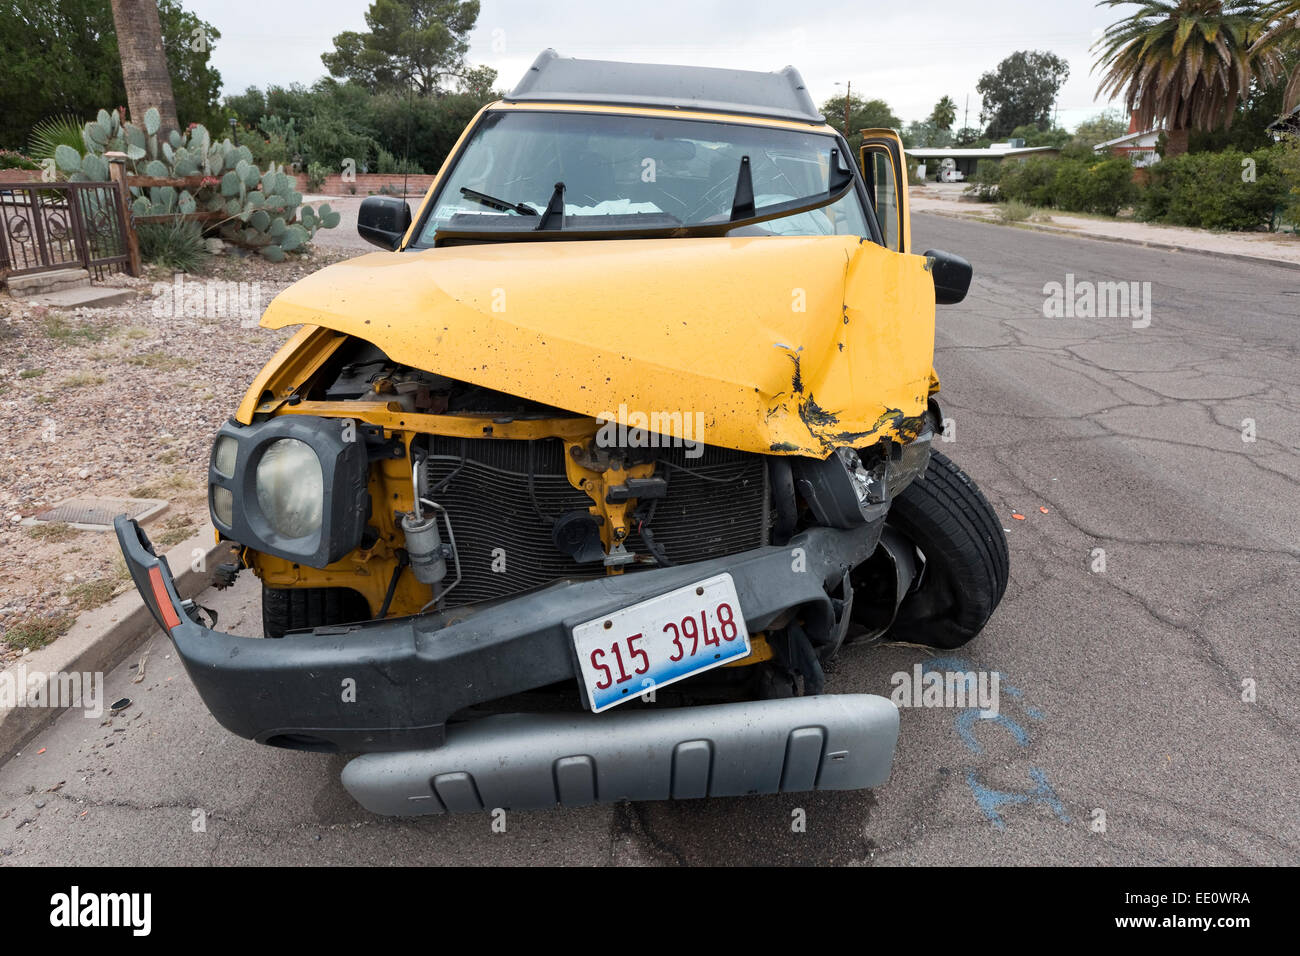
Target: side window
{"type": "Point", "coordinates": [885, 170]}
{"type": "Point", "coordinates": [885, 193]}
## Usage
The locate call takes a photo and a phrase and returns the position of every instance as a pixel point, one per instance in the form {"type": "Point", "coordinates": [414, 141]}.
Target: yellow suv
{"type": "Point", "coordinates": [571, 492]}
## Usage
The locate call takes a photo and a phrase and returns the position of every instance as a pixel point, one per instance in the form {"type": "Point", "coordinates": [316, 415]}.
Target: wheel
{"type": "Point", "coordinates": [295, 609]}
{"type": "Point", "coordinates": [966, 561]}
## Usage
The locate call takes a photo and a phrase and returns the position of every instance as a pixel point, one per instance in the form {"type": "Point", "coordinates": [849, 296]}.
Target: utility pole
{"type": "Point", "coordinates": [848, 96]}
{"type": "Point", "coordinates": [965, 117]}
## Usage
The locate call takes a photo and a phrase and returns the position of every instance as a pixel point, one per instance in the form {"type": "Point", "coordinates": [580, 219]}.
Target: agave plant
{"type": "Point", "coordinates": [1184, 63]}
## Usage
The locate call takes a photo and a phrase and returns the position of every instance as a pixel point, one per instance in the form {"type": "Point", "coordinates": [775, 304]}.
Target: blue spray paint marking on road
{"type": "Point", "coordinates": [989, 800]}
{"type": "Point", "coordinates": [967, 719]}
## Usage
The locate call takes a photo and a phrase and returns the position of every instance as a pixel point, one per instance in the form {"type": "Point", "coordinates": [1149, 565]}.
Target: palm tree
{"type": "Point", "coordinates": [1282, 34]}
{"type": "Point", "coordinates": [144, 64]}
{"type": "Point", "coordinates": [1184, 63]}
{"type": "Point", "coordinates": [944, 113]}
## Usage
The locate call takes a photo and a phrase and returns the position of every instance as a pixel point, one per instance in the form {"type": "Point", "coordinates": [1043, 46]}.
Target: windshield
{"type": "Point", "coordinates": [638, 170]}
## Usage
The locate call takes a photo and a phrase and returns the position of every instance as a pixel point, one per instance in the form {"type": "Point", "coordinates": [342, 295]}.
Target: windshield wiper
{"type": "Point", "coordinates": [838, 178]}
{"type": "Point", "coordinates": [552, 223]}
{"type": "Point", "coordinates": [499, 204]}
{"type": "Point", "coordinates": [742, 206]}
{"type": "Point", "coordinates": [554, 210]}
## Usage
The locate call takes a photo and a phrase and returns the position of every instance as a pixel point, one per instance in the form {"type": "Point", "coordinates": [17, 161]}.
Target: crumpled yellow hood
{"type": "Point", "coordinates": [786, 345]}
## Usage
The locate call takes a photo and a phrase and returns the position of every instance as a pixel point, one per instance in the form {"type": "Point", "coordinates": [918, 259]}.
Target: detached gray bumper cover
{"type": "Point", "coordinates": [538, 761]}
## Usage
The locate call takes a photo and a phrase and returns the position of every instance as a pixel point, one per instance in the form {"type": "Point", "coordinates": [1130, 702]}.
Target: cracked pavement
{"type": "Point", "coordinates": [1122, 689]}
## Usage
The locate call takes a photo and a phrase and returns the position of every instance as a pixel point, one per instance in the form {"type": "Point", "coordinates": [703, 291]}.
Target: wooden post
{"type": "Point", "coordinates": [117, 172]}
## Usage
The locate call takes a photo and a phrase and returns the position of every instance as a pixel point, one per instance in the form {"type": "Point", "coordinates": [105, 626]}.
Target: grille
{"type": "Point", "coordinates": [717, 504]}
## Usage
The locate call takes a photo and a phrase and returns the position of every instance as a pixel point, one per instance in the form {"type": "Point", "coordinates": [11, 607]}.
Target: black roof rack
{"type": "Point", "coordinates": [556, 79]}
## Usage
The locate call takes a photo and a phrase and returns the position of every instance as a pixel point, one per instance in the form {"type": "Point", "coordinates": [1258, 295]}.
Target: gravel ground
{"type": "Point", "coordinates": [121, 401]}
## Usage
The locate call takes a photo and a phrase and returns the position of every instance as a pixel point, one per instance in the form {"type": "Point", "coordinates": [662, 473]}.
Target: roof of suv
{"type": "Point", "coordinates": [556, 79]}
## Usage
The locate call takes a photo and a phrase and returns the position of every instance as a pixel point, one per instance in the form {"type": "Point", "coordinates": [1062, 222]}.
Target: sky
{"type": "Point", "coordinates": [907, 53]}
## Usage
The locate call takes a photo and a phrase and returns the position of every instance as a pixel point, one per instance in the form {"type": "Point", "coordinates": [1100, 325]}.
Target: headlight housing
{"type": "Point", "coordinates": [292, 486]}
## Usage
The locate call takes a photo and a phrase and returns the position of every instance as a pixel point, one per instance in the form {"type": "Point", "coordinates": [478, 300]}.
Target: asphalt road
{"type": "Point", "coordinates": [1122, 688]}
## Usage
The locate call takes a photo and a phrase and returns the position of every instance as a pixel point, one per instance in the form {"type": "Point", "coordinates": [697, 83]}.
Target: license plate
{"type": "Point", "coordinates": [632, 651]}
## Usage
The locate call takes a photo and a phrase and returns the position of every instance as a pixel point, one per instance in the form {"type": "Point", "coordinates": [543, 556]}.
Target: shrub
{"type": "Point", "coordinates": [9, 159]}
{"type": "Point", "coordinates": [1029, 180]}
{"type": "Point", "coordinates": [1015, 211]}
{"type": "Point", "coordinates": [984, 183]}
{"type": "Point", "coordinates": [1288, 164]}
{"type": "Point", "coordinates": [1101, 186]}
{"type": "Point", "coordinates": [328, 140]}
{"type": "Point", "coordinates": [386, 162]}
{"type": "Point", "coordinates": [177, 245]}
{"type": "Point", "coordinates": [1217, 190]}
{"type": "Point", "coordinates": [1073, 185]}
{"type": "Point", "coordinates": [1108, 186]}
{"type": "Point", "coordinates": [316, 175]}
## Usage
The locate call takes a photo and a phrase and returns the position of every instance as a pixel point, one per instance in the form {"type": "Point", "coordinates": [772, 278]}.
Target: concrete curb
{"type": "Point", "coordinates": [1123, 240]}
{"type": "Point", "coordinates": [101, 639]}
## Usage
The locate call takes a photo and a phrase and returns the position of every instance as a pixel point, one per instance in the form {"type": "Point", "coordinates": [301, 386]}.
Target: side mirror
{"type": "Point", "coordinates": [383, 220]}
{"type": "Point", "coordinates": [952, 275]}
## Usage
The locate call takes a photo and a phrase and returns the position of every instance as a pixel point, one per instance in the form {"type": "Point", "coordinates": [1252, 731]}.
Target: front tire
{"type": "Point", "coordinates": [966, 561]}
{"type": "Point", "coordinates": [296, 609]}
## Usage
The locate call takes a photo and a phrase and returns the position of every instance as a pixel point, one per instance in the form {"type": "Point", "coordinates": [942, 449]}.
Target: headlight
{"type": "Point", "coordinates": [224, 454]}
{"type": "Point", "coordinates": [294, 486]}
{"type": "Point", "coordinates": [291, 488]}
{"type": "Point", "coordinates": [223, 505]}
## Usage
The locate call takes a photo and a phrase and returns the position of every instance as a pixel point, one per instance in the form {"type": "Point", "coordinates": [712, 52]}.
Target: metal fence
{"type": "Point", "coordinates": [47, 226]}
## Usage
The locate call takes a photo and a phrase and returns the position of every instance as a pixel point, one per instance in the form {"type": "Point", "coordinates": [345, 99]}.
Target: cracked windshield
{"type": "Point", "coordinates": [637, 171]}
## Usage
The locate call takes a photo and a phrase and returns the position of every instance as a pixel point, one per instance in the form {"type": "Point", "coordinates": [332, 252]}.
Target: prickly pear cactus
{"type": "Point", "coordinates": [259, 210]}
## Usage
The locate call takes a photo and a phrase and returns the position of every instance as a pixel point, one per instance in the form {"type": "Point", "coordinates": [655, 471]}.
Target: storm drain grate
{"type": "Point", "coordinates": [97, 514]}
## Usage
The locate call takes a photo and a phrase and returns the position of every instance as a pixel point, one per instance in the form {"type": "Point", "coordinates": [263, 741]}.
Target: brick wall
{"type": "Point", "coordinates": [19, 175]}
{"type": "Point", "coordinates": [367, 183]}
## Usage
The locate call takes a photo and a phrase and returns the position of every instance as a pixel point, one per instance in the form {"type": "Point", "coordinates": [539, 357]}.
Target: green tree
{"type": "Point", "coordinates": [1248, 129]}
{"type": "Point", "coordinates": [62, 57]}
{"type": "Point", "coordinates": [333, 121]}
{"type": "Point", "coordinates": [1184, 64]}
{"type": "Point", "coordinates": [1105, 126]}
{"type": "Point", "coordinates": [926, 134]}
{"type": "Point", "coordinates": [863, 114]}
{"type": "Point", "coordinates": [944, 114]}
{"type": "Point", "coordinates": [410, 43]}
{"type": "Point", "coordinates": [1021, 91]}
{"type": "Point", "coordinates": [196, 84]}
{"type": "Point", "coordinates": [1033, 136]}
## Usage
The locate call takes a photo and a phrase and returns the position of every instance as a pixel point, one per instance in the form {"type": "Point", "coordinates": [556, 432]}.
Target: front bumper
{"type": "Point", "coordinates": [392, 684]}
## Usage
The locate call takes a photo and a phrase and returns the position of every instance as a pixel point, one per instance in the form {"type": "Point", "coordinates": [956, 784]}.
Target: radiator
{"type": "Point", "coordinates": [717, 504]}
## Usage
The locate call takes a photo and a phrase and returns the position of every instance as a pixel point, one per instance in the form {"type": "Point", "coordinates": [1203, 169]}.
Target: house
{"type": "Point", "coordinates": [1288, 124]}
{"type": "Point", "coordinates": [964, 160]}
{"type": "Point", "coordinates": [1138, 145]}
